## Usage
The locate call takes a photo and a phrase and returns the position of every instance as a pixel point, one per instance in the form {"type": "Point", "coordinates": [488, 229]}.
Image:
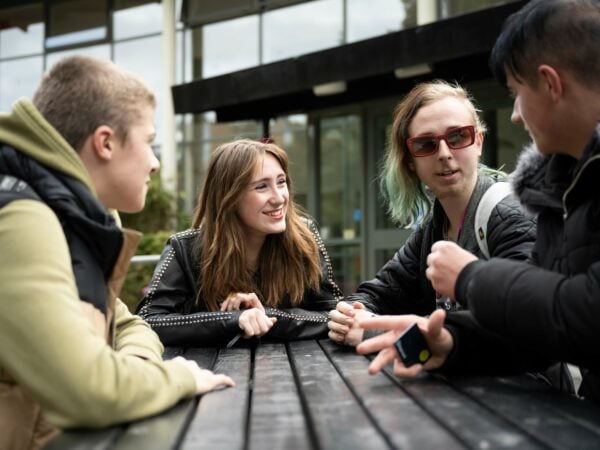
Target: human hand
{"type": "Point", "coordinates": [444, 263]}
{"type": "Point", "coordinates": [240, 300]}
{"type": "Point", "coordinates": [439, 340]}
{"type": "Point", "coordinates": [206, 380]}
{"type": "Point", "coordinates": [254, 322]}
{"type": "Point", "coordinates": [341, 320]}
{"type": "Point", "coordinates": [343, 324]}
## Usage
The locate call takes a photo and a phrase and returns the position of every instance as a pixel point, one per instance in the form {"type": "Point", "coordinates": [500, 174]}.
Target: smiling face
{"type": "Point", "coordinates": [263, 207]}
{"type": "Point", "coordinates": [447, 173]}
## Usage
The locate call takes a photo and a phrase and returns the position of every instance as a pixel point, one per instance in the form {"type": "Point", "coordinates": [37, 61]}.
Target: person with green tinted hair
{"type": "Point", "coordinates": [432, 181]}
{"type": "Point", "coordinates": [524, 317]}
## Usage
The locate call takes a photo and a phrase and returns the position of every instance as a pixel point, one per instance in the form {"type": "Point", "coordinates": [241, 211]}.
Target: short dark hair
{"type": "Point", "coordinates": [564, 33]}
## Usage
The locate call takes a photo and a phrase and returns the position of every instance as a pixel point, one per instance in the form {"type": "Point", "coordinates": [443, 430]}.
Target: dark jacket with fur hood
{"type": "Point", "coordinates": [548, 310]}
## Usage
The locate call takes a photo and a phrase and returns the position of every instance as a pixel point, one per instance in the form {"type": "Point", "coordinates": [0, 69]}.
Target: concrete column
{"type": "Point", "coordinates": [426, 11]}
{"type": "Point", "coordinates": [168, 155]}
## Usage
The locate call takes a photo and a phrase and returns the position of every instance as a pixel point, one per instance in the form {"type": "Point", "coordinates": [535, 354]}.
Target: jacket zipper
{"type": "Point", "coordinates": [572, 185]}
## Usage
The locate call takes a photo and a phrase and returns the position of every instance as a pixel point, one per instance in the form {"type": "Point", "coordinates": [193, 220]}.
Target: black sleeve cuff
{"type": "Point", "coordinates": [461, 290]}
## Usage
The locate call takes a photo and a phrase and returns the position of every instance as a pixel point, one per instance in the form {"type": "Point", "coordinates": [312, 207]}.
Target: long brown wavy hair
{"type": "Point", "coordinates": [288, 262]}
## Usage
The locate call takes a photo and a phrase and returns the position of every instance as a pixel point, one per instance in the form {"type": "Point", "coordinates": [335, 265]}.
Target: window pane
{"type": "Point", "coordinates": [377, 17]}
{"type": "Point", "coordinates": [455, 7]}
{"type": "Point", "coordinates": [76, 21]}
{"type": "Point", "coordinates": [382, 128]}
{"type": "Point", "coordinates": [136, 21]}
{"type": "Point", "coordinates": [341, 177]}
{"type": "Point", "coordinates": [511, 139]}
{"type": "Point", "coordinates": [290, 133]}
{"type": "Point", "coordinates": [23, 31]}
{"type": "Point", "coordinates": [142, 57]}
{"type": "Point", "coordinates": [19, 78]}
{"type": "Point", "coordinates": [340, 197]}
{"type": "Point", "coordinates": [301, 29]}
{"type": "Point", "coordinates": [98, 51]}
{"type": "Point", "coordinates": [202, 135]}
{"type": "Point", "coordinates": [229, 46]}
{"type": "Point", "coordinates": [346, 262]}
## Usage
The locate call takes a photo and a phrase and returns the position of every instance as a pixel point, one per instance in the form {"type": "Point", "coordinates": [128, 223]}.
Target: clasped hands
{"type": "Point", "coordinates": [253, 320]}
{"type": "Point", "coordinates": [348, 322]}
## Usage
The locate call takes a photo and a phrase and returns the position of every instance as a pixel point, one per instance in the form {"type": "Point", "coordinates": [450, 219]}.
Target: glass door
{"type": "Point", "coordinates": [339, 201]}
{"type": "Point", "coordinates": [383, 238]}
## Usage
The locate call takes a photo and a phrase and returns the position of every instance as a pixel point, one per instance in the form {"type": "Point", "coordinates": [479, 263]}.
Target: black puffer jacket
{"type": "Point", "coordinates": [401, 287]}
{"type": "Point", "coordinates": [551, 308]}
{"type": "Point", "coordinates": [170, 308]}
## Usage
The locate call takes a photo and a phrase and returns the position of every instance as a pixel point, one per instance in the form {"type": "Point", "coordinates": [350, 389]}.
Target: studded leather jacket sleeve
{"type": "Point", "coordinates": [170, 306]}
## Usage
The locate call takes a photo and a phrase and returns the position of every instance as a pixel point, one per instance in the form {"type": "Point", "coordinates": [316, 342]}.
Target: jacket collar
{"type": "Point", "coordinates": [540, 181]}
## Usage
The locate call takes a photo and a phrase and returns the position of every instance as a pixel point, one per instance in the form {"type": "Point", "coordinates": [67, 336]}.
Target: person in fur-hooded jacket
{"type": "Point", "coordinates": [525, 316]}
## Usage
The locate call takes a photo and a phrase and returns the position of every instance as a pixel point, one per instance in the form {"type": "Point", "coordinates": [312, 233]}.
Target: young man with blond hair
{"type": "Point", "coordinates": [71, 355]}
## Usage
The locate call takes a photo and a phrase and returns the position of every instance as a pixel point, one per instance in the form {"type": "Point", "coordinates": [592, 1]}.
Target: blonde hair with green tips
{"type": "Point", "coordinates": [408, 203]}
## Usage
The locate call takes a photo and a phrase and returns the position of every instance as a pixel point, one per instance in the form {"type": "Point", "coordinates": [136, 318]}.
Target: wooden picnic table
{"type": "Point", "coordinates": [318, 395]}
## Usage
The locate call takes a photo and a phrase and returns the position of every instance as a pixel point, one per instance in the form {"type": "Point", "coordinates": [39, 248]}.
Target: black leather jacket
{"type": "Point", "coordinates": [401, 287]}
{"type": "Point", "coordinates": [170, 308]}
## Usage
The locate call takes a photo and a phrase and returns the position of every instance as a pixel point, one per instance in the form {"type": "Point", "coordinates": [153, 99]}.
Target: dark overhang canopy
{"type": "Point", "coordinates": [456, 48]}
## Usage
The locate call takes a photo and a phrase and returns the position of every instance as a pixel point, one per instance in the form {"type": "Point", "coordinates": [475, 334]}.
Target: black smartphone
{"type": "Point", "coordinates": [412, 347]}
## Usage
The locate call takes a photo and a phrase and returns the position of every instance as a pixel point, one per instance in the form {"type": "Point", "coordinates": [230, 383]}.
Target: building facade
{"type": "Point", "coordinates": [320, 77]}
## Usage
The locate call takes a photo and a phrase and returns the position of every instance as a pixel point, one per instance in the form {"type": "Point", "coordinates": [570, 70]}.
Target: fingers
{"type": "Point", "coordinates": [402, 371]}
{"type": "Point", "coordinates": [436, 323]}
{"type": "Point", "coordinates": [251, 301]}
{"type": "Point", "coordinates": [222, 380]}
{"type": "Point", "coordinates": [255, 322]}
{"type": "Point", "coordinates": [343, 307]}
{"type": "Point", "coordinates": [337, 327]}
{"type": "Point", "coordinates": [340, 318]}
{"type": "Point", "coordinates": [205, 379]}
{"type": "Point", "coordinates": [383, 358]}
{"type": "Point", "coordinates": [241, 300]}
{"type": "Point", "coordinates": [358, 305]}
{"type": "Point", "coordinates": [377, 343]}
{"type": "Point", "coordinates": [336, 337]}
{"type": "Point", "coordinates": [388, 322]}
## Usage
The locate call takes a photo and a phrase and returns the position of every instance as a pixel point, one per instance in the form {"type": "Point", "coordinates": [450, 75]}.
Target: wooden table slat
{"type": "Point", "coordinates": [159, 432]}
{"type": "Point", "coordinates": [537, 410]}
{"type": "Point", "coordinates": [330, 405]}
{"type": "Point", "coordinates": [221, 418]}
{"type": "Point", "coordinates": [276, 417]}
{"type": "Point", "coordinates": [469, 421]}
{"type": "Point", "coordinates": [396, 413]}
{"type": "Point", "coordinates": [318, 395]}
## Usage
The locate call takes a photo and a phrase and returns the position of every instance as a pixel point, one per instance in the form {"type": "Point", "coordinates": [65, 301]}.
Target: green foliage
{"type": "Point", "coordinates": [159, 213]}
{"type": "Point", "coordinates": [157, 221]}
{"type": "Point", "coordinates": [139, 275]}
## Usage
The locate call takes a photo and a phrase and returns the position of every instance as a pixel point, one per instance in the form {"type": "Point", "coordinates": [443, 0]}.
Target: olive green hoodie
{"type": "Point", "coordinates": [51, 353]}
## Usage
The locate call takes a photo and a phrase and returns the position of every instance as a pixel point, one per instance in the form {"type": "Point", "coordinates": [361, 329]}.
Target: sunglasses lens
{"type": "Point", "coordinates": [424, 146]}
{"type": "Point", "coordinates": [460, 138]}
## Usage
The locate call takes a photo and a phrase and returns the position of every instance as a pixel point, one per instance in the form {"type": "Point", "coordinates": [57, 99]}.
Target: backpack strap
{"type": "Point", "coordinates": [495, 193]}
{"type": "Point", "coordinates": [12, 188]}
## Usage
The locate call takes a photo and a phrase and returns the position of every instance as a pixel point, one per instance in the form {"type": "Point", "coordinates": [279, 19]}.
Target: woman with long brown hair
{"type": "Point", "coordinates": [251, 265]}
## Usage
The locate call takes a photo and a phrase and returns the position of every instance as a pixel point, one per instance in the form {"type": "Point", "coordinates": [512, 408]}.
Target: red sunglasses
{"type": "Point", "coordinates": [428, 144]}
